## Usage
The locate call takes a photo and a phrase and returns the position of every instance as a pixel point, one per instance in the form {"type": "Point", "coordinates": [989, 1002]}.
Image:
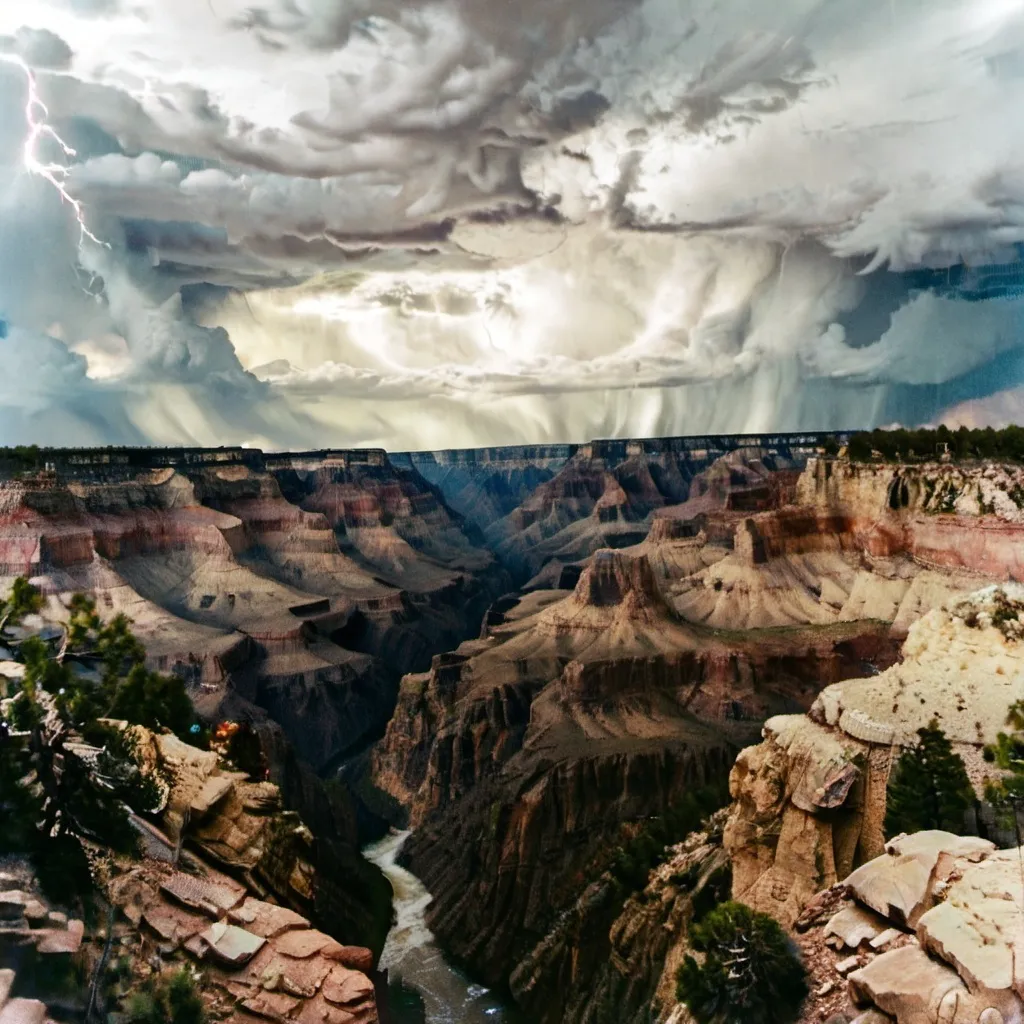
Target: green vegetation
{"type": "Point", "coordinates": [1006, 794]}
{"type": "Point", "coordinates": [929, 787]}
{"type": "Point", "coordinates": [55, 791]}
{"type": "Point", "coordinates": [926, 445]}
{"type": "Point", "coordinates": [751, 974]}
{"type": "Point", "coordinates": [170, 998]}
{"type": "Point", "coordinates": [22, 457]}
{"type": "Point", "coordinates": [633, 862]}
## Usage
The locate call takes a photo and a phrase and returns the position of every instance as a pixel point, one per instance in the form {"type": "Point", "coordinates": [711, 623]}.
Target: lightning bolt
{"type": "Point", "coordinates": [36, 114]}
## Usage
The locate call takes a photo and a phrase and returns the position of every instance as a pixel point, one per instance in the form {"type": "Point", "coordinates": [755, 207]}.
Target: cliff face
{"type": "Point", "coordinates": [674, 598]}
{"type": "Point", "coordinates": [809, 801]}
{"type": "Point", "coordinates": [309, 608]}
{"type": "Point", "coordinates": [945, 515]}
{"type": "Point", "coordinates": [623, 957]}
{"type": "Point", "coordinates": [487, 484]}
{"type": "Point", "coordinates": [526, 758]}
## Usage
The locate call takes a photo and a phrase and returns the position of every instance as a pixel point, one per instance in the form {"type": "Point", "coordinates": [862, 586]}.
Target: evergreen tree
{"type": "Point", "coordinates": [52, 795]}
{"type": "Point", "coordinates": [929, 787]}
{"type": "Point", "coordinates": [751, 974]}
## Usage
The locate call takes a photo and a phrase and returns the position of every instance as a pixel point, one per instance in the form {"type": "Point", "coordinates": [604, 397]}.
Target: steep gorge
{"type": "Point", "coordinates": [672, 598]}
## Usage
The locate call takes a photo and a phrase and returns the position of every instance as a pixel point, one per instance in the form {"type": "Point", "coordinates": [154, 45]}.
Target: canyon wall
{"type": "Point", "coordinates": [558, 645]}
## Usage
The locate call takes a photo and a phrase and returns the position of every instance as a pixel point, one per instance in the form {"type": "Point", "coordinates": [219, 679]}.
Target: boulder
{"type": "Point", "coordinates": [23, 1011]}
{"type": "Point", "coordinates": [230, 945]}
{"type": "Point", "coordinates": [900, 885]}
{"type": "Point", "coordinates": [344, 987]}
{"type": "Point", "coordinates": [855, 925]}
{"type": "Point", "coordinates": [266, 919]}
{"type": "Point", "coordinates": [909, 985]}
{"type": "Point", "coordinates": [979, 928]}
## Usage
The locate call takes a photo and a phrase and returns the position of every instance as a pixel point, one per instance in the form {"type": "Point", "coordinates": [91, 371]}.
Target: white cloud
{"type": "Point", "coordinates": [589, 216]}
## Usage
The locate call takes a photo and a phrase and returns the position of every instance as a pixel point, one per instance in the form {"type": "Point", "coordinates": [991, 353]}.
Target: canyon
{"type": "Point", "coordinates": [532, 657]}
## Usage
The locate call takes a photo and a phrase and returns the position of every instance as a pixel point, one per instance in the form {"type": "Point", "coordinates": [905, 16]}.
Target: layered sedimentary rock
{"type": "Point", "coordinates": [526, 757]}
{"type": "Point", "coordinates": [225, 878]}
{"type": "Point", "coordinates": [254, 597]}
{"type": "Point", "coordinates": [809, 801]}
{"type": "Point", "coordinates": [857, 542]}
{"type": "Point", "coordinates": [486, 484]}
{"type": "Point", "coordinates": [605, 496]}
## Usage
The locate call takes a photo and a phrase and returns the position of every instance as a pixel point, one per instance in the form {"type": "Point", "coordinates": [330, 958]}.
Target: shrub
{"type": "Point", "coordinates": [633, 862]}
{"type": "Point", "coordinates": [1007, 753]}
{"type": "Point", "coordinates": [929, 787]}
{"type": "Point", "coordinates": [167, 999]}
{"type": "Point", "coordinates": [751, 974]}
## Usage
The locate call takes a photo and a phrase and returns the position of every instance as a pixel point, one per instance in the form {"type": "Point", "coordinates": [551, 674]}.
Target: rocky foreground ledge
{"type": "Point", "coordinates": [930, 932]}
{"type": "Point", "coordinates": [225, 887]}
{"type": "Point", "coordinates": [809, 801]}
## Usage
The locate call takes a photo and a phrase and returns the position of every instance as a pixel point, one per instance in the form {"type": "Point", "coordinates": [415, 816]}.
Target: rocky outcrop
{"type": "Point", "coordinates": [809, 801]}
{"type": "Point", "coordinates": [528, 756]}
{"type": "Point", "coordinates": [308, 605]}
{"type": "Point", "coordinates": [486, 484]}
{"type": "Point", "coordinates": [225, 878]}
{"type": "Point", "coordinates": [507, 860]}
{"type": "Point", "coordinates": [856, 542]}
{"type": "Point", "coordinates": [945, 515]}
{"type": "Point", "coordinates": [926, 933]}
{"type": "Point", "coordinates": [619, 960]}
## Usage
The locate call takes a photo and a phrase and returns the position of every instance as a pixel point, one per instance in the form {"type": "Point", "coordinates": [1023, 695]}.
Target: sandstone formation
{"type": "Point", "coordinates": [607, 494]}
{"type": "Point", "coordinates": [809, 801]}
{"type": "Point", "coordinates": [526, 757]}
{"type": "Point", "coordinates": [223, 880]}
{"type": "Point", "coordinates": [308, 606]}
{"type": "Point", "coordinates": [674, 595]}
{"type": "Point", "coordinates": [928, 932]}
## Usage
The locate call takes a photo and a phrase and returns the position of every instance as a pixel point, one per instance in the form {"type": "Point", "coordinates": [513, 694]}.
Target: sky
{"type": "Point", "coordinates": [297, 224]}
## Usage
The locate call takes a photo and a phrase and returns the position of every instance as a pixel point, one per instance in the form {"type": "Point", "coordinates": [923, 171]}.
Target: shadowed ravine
{"type": "Point", "coordinates": [414, 961]}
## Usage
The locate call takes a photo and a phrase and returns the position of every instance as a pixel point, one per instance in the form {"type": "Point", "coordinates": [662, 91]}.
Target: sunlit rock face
{"type": "Point", "coordinates": [809, 801]}
{"type": "Point", "coordinates": [457, 223]}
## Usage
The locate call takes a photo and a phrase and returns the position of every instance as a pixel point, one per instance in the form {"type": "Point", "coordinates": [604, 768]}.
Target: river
{"type": "Point", "coordinates": [423, 985]}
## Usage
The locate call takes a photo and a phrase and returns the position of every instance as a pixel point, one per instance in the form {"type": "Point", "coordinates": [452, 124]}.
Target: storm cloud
{"type": "Point", "coordinates": [474, 222]}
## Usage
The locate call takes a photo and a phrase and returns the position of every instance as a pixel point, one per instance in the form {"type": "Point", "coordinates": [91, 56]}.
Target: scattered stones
{"type": "Point", "coordinates": [886, 938]}
{"type": "Point", "coordinates": [855, 925]}
{"type": "Point", "coordinates": [229, 944]}
{"type": "Point", "coordinates": [851, 963]}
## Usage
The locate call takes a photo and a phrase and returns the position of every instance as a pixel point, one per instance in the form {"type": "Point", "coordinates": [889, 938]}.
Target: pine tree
{"type": "Point", "coordinates": [751, 974]}
{"type": "Point", "coordinates": [929, 787]}
{"type": "Point", "coordinates": [51, 796]}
